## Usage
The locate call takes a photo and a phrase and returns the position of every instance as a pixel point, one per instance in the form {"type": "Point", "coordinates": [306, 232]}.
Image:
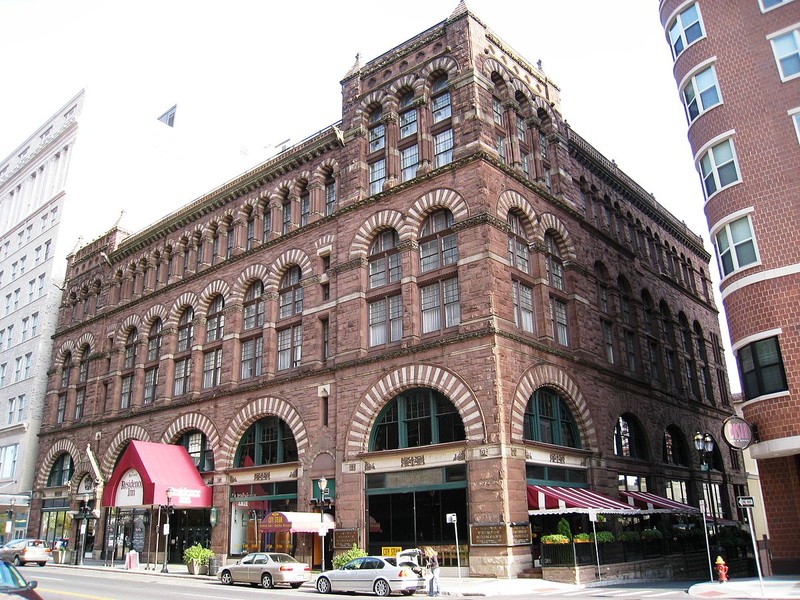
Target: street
{"type": "Point", "coordinates": [58, 583]}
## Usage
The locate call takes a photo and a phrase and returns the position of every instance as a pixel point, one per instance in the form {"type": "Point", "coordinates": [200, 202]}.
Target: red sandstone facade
{"type": "Point", "coordinates": [738, 70]}
{"type": "Point", "coordinates": [451, 295]}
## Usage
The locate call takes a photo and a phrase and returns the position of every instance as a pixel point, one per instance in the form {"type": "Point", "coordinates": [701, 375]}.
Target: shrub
{"type": "Point", "coordinates": [605, 537]}
{"type": "Point", "coordinates": [583, 537]}
{"type": "Point", "coordinates": [345, 557]}
{"type": "Point", "coordinates": [651, 534]}
{"type": "Point", "coordinates": [197, 554]}
{"type": "Point", "coordinates": [628, 536]}
{"type": "Point", "coordinates": [563, 528]}
{"type": "Point", "coordinates": [555, 538]}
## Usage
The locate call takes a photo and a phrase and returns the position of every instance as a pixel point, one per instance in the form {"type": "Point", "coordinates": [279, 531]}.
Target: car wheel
{"type": "Point", "coordinates": [18, 562]}
{"type": "Point", "coordinates": [296, 585]}
{"type": "Point", "coordinates": [407, 592]}
{"type": "Point", "coordinates": [226, 578]}
{"type": "Point", "coordinates": [266, 581]}
{"type": "Point", "coordinates": [323, 585]}
{"type": "Point", "coordinates": [382, 588]}
{"type": "Point", "coordinates": [41, 564]}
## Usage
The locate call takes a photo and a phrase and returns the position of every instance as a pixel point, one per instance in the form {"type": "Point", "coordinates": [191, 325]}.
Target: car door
{"type": "Point", "coordinates": [347, 576]}
{"type": "Point", "coordinates": [241, 571]}
{"type": "Point", "coordinates": [370, 569]}
{"type": "Point", "coordinates": [256, 568]}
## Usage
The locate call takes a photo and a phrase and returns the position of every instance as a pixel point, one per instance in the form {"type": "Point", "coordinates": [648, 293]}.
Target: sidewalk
{"type": "Point", "coordinates": [773, 587]}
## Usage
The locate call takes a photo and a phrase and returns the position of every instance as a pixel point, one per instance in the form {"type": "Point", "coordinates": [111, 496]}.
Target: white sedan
{"type": "Point", "coordinates": [377, 574]}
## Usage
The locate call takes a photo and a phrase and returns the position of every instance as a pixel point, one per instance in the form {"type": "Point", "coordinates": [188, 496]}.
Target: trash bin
{"type": "Point", "coordinates": [213, 566]}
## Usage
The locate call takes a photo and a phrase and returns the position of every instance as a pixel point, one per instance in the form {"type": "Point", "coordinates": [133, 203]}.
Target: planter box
{"type": "Point", "coordinates": [197, 569]}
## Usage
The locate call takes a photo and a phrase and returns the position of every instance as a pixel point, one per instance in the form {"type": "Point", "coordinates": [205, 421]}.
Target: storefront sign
{"type": "Point", "coordinates": [130, 490]}
{"type": "Point", "coordinates": [737, 433]}
{"type": "Point", "coordinates": [183, 495]}
{"type": "Point", "coordinates": [345, 538]}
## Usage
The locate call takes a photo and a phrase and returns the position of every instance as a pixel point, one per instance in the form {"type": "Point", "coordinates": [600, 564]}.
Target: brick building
{"type": "Point", "coordinates": [738, 71]}
{"type": "Point", "coordinates": [440, 300]}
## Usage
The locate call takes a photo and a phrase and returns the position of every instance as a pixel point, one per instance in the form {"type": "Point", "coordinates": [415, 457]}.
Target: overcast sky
{"type": "Point", "coordinates": [260, 71]}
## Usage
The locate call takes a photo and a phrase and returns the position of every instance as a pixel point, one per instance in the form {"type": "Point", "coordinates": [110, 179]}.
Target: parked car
{"type": "Point", "coordinates": [12, 583]}
{"type": "Point", "coordinates": [23, 551]}
{"type": "Point", "coordinates": [267, 569]}
{"type": "Point", "coordinates": [378, 574]}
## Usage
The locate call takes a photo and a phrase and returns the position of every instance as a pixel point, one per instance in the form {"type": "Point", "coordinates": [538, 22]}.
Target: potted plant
{"type": "Point", "coordinates": [555, 538]}
{"type": "Point", "coordinates": [583, 538]}
{"type": "Point", "coordinates": [196, 558]}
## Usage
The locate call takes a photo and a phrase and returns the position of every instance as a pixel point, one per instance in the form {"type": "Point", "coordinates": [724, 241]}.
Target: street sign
{"type": "Point", "coordinates": [745, 501]}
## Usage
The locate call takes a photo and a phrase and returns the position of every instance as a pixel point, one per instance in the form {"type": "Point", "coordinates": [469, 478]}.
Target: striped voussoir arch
{"type": "Point", "coordinates": [511, 199]}
{"type": "Point", "coordinates": [263, 407]}
{"type": "Point", "coordinates": [190, 422]}
{"type": "Point", "coordinates": [439, 198]}
{"type": "Point", "coordinates": [60, 447]}
{"type": "Point", "coordinates": [378, 222]}
{"type": "Point", "coordinates": [402, 379]}
{"type": "Point", "coordinates": [551, 376]}
{"type": "Point", "coordinates": [128, 433]}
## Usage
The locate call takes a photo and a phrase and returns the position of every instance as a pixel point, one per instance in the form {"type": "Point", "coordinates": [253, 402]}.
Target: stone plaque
{"type": "Point", "coordinates": [521, 535]}
{"type": "Point", "coordinates": [345, 538]}
{"type": "Point", "coordinates": [487, 535]}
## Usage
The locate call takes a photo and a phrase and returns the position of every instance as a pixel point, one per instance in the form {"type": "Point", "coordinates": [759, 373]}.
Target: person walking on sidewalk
{"type": "Point", "coordinates": [433, 567]}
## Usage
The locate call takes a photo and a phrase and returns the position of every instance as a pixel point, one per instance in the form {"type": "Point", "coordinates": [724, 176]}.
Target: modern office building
{"type": "Point", "coordinates": [737, 66]}
{"type": "Point", "coordinates": [33, 197]}
{"type": "Point", "coordinates": [423, 310]}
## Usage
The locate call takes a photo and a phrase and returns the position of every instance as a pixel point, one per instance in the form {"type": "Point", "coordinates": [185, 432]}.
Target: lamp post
{"type": "Point", "coordinates": [323, 490]}
{"type": "Point", "coordinates": [168, 509]}
{"type": "Point", "coordinates": [83, 524]}
{"type": "Point", "coordinates": [704, 444]}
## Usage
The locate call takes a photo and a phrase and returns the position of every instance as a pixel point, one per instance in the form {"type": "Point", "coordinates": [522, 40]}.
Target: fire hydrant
{"type": "Point", "coordinates": [722, 570]}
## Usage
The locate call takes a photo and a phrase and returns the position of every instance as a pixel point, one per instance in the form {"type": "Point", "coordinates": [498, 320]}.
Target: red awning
{"type": "Point", "coordinates": [651, 503]}
{"type": "Point", "coordinates": [296, 522]}
{"type": "Point", "coordinates": [547, 499]}
{"type": "Point", "coordinates": [147, 469]}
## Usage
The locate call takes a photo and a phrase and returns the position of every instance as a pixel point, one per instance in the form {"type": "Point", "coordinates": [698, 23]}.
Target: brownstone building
{"type": "Point", "coordinates": [737, 65]}
{"type": "Point", "coordinates": [444, 298]}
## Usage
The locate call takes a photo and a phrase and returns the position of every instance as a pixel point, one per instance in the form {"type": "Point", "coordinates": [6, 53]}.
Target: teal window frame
{"type": "Point", "coordinates": [559, 414]}
{"type": "Point", "coordinates": [415, 418]}
{"type": "Point", "coordinates": [285, 445]}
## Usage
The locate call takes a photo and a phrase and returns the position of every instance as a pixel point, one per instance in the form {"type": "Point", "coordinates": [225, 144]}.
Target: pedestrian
{"type": "Point", "coordinates": [433, 566]}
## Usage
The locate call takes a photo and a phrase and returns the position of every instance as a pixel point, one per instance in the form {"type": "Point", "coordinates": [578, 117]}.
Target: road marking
{"type": "Point", "coordinates": [663, 593]}
{"type": "Point", "coordinates": [61, 593]}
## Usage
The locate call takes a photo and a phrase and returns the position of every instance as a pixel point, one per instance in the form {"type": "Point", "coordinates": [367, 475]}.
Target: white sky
{"type": "Point", "coordinates": [257, 72]}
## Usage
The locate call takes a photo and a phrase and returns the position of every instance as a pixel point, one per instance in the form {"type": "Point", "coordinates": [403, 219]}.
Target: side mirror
{"type": "Point", "coordinates": [32, 585]}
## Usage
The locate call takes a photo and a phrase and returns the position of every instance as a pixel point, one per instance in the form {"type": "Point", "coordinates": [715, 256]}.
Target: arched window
{"type": "Point", "coordinates": [441, 128]}
{"type": "Point", "coordinates": [130, 349]}
{"type": "Point", "coordinates": [268, 441]}
{"type": "Point", "coordinates": [290, 293]}
{"type": "Point", "coordinates": [254, 305]}
{"type": "Point", "coordinates": [518, 254]}
{"type": "Point", "coordinates": [437, 243]}
{"type": "Point", "coordinates": [154, 341]}
{"type": "Point", "coordinates": [83, 366]}
{"type": "Point", "coordinates": [215, 320]}
{"type": "Point", "coordinates": [417, 417]}
{"type": "Point", "coordinates": [186, 329]}
{"type": "Point", "coordinates": [674, 448]}
{"type": "Point", "coordinates": [549, 420]}
{"type": "Point", "coordinates": [61, 472]}
{"type": "Point", "coordinates": [629, 440]}
{"type": "Point", "coordinates": [553, 262]}
{"type": "Point", "coordinates": [377, 142]}
{"type": "Point", "coordinates": [196, 445]}
{"type": "Point", "coordinates": [408, 115]}
{"type": "Point", "coordinates": [384, 259]}
{"type": "Point", "coordinates": [66, 370]}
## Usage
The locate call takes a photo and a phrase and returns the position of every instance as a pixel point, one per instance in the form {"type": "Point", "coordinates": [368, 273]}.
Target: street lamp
{"type": "Point", "coordinates": [168, 509]}
{"type": "Point", "coordinates": [84, 512]}
{"type": "Point", "coordinates": [704, 444]}
{"type": "Point", "coordinates": [323, 490]}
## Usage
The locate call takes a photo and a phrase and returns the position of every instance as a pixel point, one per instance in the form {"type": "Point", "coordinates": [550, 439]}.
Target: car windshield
{"type": "Point", "coordinates": [37, 543]}
{"type": "Point", "coordinates": [10, 577]}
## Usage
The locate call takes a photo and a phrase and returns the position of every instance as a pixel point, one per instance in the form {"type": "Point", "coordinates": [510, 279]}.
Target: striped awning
{"type": "Point", "coordinates": [554, 500]}
{"type": "Point", "coordinates": [652, 503]}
